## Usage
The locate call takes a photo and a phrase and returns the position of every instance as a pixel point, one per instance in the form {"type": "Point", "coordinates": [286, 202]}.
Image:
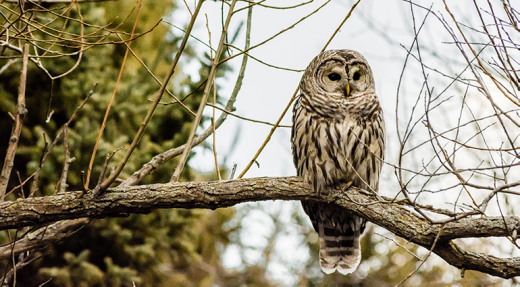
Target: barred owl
{"type": "Point", "coordinates": [337, 139]}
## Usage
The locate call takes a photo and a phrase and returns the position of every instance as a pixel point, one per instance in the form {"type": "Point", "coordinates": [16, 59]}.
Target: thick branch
{"type": "Point", "coordinates": [397, 218]}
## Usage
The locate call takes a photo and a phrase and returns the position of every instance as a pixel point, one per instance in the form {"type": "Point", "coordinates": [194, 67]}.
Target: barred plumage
{"type": "Point", "coordinates": [337, 140]}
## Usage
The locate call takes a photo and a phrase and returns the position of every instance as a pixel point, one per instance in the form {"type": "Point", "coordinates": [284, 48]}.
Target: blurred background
{"type": "Point", "coordinates": [446, 74]}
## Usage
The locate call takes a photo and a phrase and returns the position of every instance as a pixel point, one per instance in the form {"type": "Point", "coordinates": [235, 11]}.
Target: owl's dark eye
{"type": "Point", "coordinates": [356, 76]}
{"type": "Point", "coordinates": [334, 77]}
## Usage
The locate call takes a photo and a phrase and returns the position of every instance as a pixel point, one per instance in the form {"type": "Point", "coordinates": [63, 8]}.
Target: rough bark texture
{"type": "Point", "coordinates": [397, 217]}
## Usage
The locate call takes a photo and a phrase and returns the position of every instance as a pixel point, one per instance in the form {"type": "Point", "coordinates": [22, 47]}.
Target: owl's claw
{"type": "Point", "coordinates": [344, 186]}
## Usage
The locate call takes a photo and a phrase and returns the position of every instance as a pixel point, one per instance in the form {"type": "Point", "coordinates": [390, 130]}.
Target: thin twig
{"type": "Point", "coordinates": [244, 118]}
{"type": "Point", "coordinates": [62, 185]}
{"type": "Point", "coordinates": [143, 64]}
{"type": "Point", "coordinates": [14, 138]}
{"type": "Point", "coordinates": [430, 251]}
{"type": "Point", "coordinates": [214, 134]}
{"type": "Point", "coordinates": [282, 115]}
{"type": "Point", "coordinates": [159, 159]}
{"type": "Point", "coordinates": [111, 100]}
{"type": "Point", "coordinates": [49, 147]}
{"type": "Point", "coordinates": [207, 89]}
{"type": "Point", "coordinates": [149, 115]}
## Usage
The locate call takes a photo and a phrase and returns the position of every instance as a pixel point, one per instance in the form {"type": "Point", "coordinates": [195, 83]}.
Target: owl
{"type": "Point", "coordinates": [338, 139]}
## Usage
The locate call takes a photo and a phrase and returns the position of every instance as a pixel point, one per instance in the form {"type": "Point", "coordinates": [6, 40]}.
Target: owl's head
{"type": "Point", "coordinates": [338, 73]}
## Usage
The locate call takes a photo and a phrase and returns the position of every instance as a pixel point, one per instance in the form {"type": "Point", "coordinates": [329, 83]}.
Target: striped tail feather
{"type": "Point", "coordinates": [339, 233]}
{"type": "Point", "coordinates": [339, 251]}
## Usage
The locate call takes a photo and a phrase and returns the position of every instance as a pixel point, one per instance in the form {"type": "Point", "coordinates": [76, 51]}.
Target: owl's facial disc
{"type": "Point", "coordinates": [358, 79]}
{"type": "Point", "coordinates": [333, 77]}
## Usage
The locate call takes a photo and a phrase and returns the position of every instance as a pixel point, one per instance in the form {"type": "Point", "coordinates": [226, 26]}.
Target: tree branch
{"type": "Point", "coordinates": [399, 218]}
{"type": "Point", "coordinates": [41, 237]}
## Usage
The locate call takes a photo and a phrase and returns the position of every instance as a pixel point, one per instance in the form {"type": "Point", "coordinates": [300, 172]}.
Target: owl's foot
{"type": "Point", "coordinates": [347, 185]}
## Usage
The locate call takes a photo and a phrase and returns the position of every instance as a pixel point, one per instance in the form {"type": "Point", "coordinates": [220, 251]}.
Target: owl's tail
{"type": "Point", "coordinates": [339, 233]}
{"type": "Point", "coordinates": [339, 246]}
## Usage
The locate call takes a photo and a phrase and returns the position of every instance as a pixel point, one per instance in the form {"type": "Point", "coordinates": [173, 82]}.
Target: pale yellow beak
{"type": "Point", "coordinates": [348, 89]}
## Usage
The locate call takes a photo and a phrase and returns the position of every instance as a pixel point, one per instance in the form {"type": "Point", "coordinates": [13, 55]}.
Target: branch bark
{"type": "Point", "coordinates": [399, 218]}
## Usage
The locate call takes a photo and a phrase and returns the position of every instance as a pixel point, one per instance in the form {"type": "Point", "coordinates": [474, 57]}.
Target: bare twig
{"type": "Point", "coordinates": [246, 119]}
{"type": "Point", "coordinates": [62, 184]}
{"type": "Point", "coordinates": [176, 100]}
{"type": "Point", "coordinates": [14, 138]}
{"type": "Point", "coordinates": [48, 148]}
{"type": "Point", "coordinates": [207, 89]}
{"type": "Point", "coordinates": [214, 134]}
{"type": "Point", "coordinates": [284, 112]}
{"type": "Point", "coordinates": [149, 115]}
{"type": "Point", "coordinates": [159, 159]}
{"type": "Point", "coordinates": [111, 100]}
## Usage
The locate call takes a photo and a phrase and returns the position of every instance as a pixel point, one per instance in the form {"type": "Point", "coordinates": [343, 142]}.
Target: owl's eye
{"type": "Point", "coordinates": [356, 76]}
{"type": "Point", "coordinates": [334, 77]}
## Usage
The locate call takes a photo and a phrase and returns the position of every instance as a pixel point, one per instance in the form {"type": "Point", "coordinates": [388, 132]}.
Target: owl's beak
{"type": "Point", "coordinates": [347, 88]}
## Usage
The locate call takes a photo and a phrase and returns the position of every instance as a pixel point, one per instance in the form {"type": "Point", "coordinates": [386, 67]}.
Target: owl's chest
{"type": "Point", "coordinates": [332, 145]}
{"type": "Point", "coordinates": [335, 150]}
